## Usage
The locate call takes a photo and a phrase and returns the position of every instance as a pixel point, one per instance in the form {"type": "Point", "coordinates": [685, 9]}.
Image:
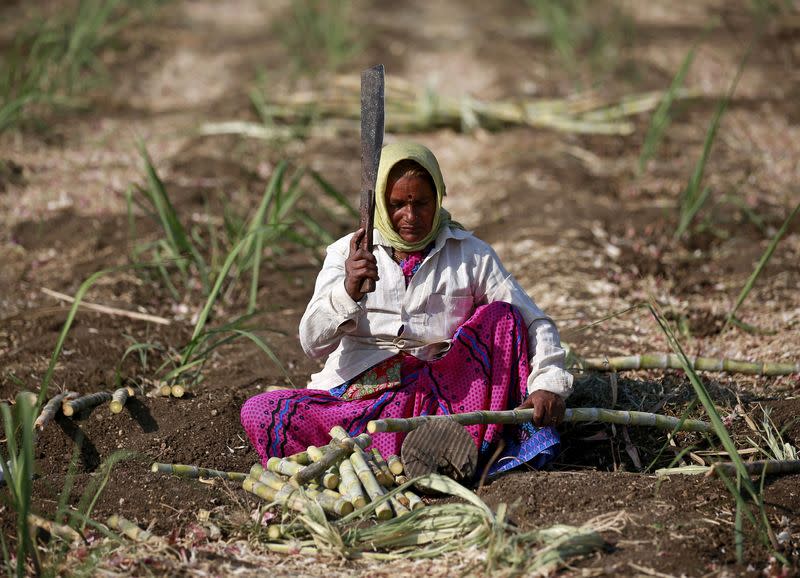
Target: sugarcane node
{"type": "Point", "coordinates": [395, 465]}
{"type": "Point", "coordinates": [443, 447]}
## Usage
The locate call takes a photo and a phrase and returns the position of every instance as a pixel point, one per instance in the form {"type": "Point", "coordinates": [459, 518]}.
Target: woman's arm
{"type": "Point", "coordinates": [332, 312]}
{"type": "Point", "coordinates": [495, 283]}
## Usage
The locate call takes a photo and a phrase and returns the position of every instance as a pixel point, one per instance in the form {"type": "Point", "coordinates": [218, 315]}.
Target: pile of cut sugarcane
{"type": "Point", "coordinates": [339, 477]}
{"type": "Point", "coordinates": [70, 403]}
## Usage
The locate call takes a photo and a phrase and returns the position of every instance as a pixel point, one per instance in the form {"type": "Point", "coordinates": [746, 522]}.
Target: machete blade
{"type": "Point", "coordinates": [372, 118]}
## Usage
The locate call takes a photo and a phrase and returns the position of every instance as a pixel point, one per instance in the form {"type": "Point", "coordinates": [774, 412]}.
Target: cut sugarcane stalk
{"type": "Point", "coordinates": [266, 477]}
{"type": "Point", "coordinates": [51, 408]}
{"type": "Point", "coordinates": [59, 530]}
{"type": "Point", "coordinates": [119, 398]}
{"type": "Point", "coordinates": [403, 499]}
{"type": "Point", "coordinates": [177, 390]}
{"type": "Point", "coordinates": [329, 501]}
{"type": "Point", "coordinates": [767, 467]}
{"type": "Point", "coordinates": [376, 471]}
{"type": "Point", "coordinates": [398, 507]}
{"type": "Point", "coordinates": [186, 471]}
{"type": "Point", "coordinates": [163, 389]}
{"type": "Point", "coordinates": [314, 453]}
{"type": "Point", "coordinates": [330, 479]}
{"type": "Point", "coordinates": [271, 494]}
{"type": "Point", "coordinates": [370, 483]}
{"type": "Point", "coordinates": [385, 476]}
{"type": "Point", "coordinates": [129, 529]}
{"type": "Point", "coordinates": [283, 467]}
{"type": "Point", "coordinates": [395, 465]}
{"type": "Point", "coordinates": [73, 406]}
{"type": "Point", "coordinates": [672, 361]}
{"type": "Point", "coordinates": [400, 480]}
{"type": "Point", "coordinates": [301, 458]}
{"type": "Point", "coordinates": [518, 416]}
{"type": "Point", "coordinates": [276, 481]}
{"type": "Point", "coordinates": [274, 532]}
{"type": "Point", "coordinates": [331, 457]}
{"type": "Point", "coordinates": [338, 433]}
{"type": "Point", "coordinates": [364, 473]}
{"type": "Point", "coordinates": [333, 503]}
{"type": "Point", "coordinates": [350, 486]}
{"type": "Point", "coordinates": [415, 502]}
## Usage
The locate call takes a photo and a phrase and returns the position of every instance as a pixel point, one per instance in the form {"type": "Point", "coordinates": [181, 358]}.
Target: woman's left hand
{"type": "Point", "coordinates": [548, 408]}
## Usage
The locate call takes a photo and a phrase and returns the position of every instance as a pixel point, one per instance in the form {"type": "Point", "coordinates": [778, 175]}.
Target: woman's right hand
{"type": "Point", "coordinates": [360, 265]}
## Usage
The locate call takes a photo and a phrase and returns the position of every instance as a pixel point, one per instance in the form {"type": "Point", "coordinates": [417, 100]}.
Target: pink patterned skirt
{"type": "Point", "coordinates": [485, 369]}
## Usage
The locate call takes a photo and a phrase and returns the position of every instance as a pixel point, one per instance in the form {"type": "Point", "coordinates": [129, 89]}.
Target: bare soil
{"type": "Point", "coordinates": [566, 212]}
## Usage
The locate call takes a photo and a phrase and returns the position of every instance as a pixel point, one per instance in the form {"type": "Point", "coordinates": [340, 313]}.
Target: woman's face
{"type": "Point", "coordinates": [411, 203]}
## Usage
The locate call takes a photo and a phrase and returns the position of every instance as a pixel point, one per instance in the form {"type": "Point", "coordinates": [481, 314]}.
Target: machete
{"type": "Point", "coordinates": [372, 113]}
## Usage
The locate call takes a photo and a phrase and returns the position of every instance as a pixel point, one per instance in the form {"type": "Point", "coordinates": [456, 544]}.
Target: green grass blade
{"type": "Point", "coordinates": [692, 192]}
{"type": "Point", "coordinates": [84, 287]}
{"type": "Point", "coordinates": [661, 117]}
{"type": "Point", "coordinates": [212, 297]}
{"type": "Point", "coordinates": [689, 214]}
{"type": "Point", "coordinates": [762, 263]}
{"type": "Point", "coordinates": [266, 349]}
{"type": "Point", "coordinates": [716, 421]}
{"type": "Point", "coordinates": [334, 194]}
{"type": "Point", "coordinates": [255, 243]}
{"type": "Point", "coordinates": [177, 237]}
{"type": "Point", "coordinates": [92, 492]}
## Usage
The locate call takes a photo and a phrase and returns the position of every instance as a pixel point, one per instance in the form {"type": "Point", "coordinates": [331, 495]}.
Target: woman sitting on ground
{"type": "Point", "coordinates": [447, 330]}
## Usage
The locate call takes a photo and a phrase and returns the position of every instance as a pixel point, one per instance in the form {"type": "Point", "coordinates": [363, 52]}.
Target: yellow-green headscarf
{"type": "Point", "coordinates": [392, 154]}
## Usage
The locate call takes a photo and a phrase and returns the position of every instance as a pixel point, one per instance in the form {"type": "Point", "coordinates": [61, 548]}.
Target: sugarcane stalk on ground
{"type": "Point", "coordinates": [51, 408]}
{"type": "Point", "coordinates": [671, 361]}
{"type": "Point", "coordinates": [330, 479]}
{"type": "Point", "coordinates": [364, 473]}
{"type": "Point", "coordinates": [186, 471]}
{"type": "Point", "coordinates": [329, 501]}
{"type": "Point", "coordinates": [766, 467]}
{"type": "Point", "coordinates": [54, 529]}
{"type": "Point", "coordinates": [414, 501]}
{"type": "Point", "coordinates": [73, 406]}
{"type": "Point", "coordinates": [301, 458]}
{"type": "Point", "coordinates": [350, 485]}
{"type": "Point", "coordinates": [395, 465]}
{"type": "Point", "coordinates": [283, 467]}
{"type": "Point", "coordinates": [385, 476]}
{"type": "Point", "coordinates": [332, 456]}
{"type": "Point", "coordinates": [129, 529]}
{"type": "Point", "coordinates": [520, 416]}
{"type": "Point", "coordinates": [119, 398]}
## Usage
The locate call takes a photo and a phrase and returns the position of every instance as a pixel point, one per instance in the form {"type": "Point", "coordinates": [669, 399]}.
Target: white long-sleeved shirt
{"type": "Point", "coordinates": [460, 273]}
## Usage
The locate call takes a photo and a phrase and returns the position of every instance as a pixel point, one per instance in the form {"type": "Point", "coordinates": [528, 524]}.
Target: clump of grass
{"type": "Point", "coordinates": [776, 448]}
{"type": "Point", "coordinates": [742, 487]}
{"type": "Point", "coordinates": [576, 29]}
{"type": "Point", "coordinates": [55, 59]}
{"type": "Point", "coordinates": [762, 263]}
{"type": "Point", "coordinates": [180, 255]}
{"type": "Point", "coordinates": [693, 197]}
{"type": "Point", "coordinates": [185, 256]}
{"type": "Point", "coordinates": [17, 465]}
{"type": "Point", "coordinates": [661, 117]}
{"type": "Point", "coordinates": [319, 35]}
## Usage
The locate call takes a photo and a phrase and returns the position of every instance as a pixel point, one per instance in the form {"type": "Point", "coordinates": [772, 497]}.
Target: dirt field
{"type": "Point", "coordinates": [566, 212]}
